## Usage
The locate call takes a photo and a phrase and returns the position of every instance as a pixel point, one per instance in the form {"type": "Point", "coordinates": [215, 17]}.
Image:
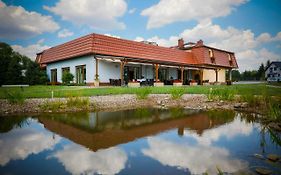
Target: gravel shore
{"type": "Point", "coordinates": [118, 102]}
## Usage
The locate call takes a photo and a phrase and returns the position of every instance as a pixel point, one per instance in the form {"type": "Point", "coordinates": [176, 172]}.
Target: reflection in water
{"type": "Point", "coordinates": [197, 159]}
{"type": "Point", "coordinates": [78, 160]}
{"type": "Point", "coordinates": [19, 143]}
{"type": "Point", "coordinates": [142, 141]}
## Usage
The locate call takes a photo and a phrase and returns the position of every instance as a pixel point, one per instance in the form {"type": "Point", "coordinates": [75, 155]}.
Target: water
{"type": "Point", "coordinates": [143, 141]}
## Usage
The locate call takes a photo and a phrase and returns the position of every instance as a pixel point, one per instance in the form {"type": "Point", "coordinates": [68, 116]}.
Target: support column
{"type": "Point", "coordinates": [156, 72]}
{"type": "Point", "coordinates": [216, 75]}
{"type": "Point", "coordinates": [97, 81]}
{"type": "Point", "coordinates": [122, 64]}
{"type": "Point", "coordinates": [201, 76]}
{"type": "Point", "coordinates": [230, 74]}
{"type": "Point", "coordinates": [182, 69]}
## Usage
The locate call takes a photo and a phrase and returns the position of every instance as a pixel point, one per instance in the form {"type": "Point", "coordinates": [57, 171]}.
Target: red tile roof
{"type": "Point", "coordinates": [105, 45]}
{"type": "Point", "coordinates": [138, 51]}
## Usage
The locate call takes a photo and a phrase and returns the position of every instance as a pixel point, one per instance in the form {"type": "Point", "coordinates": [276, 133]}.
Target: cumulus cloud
{"type": "Point", "coordinates": [94, 13]}
{"type": "Point", "coordinates": [185, 156]}
{"type": "Point", "coordinates": [169, 11]}
{"type": "Point", "coordinates": [64, 33]}
{"type": "Point", "coordinates": [31, 50]}
{"type": "Point", "coordinates": [16, 22]}
{"type": "Point", "coordinates": [79, 160]}
{"type": "Point", "coordinates": [19, 143]}
{"type": "Point", "coordinates": [247, 47]}
{"type": "Point", "coordinates": [131, 11]}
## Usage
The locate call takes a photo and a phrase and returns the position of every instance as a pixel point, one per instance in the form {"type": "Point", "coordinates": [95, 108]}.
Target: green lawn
{"type": "Point", "coordinates": [67, 91]}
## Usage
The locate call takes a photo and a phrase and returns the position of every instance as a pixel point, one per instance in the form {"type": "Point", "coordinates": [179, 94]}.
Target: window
{"type": "Point", "coordinates": [230, 60]}
{"type": "Point", "coordinates": [54, 75]}
{"type": "Point", "coordinates": [81, 74]}
{"type": "Point", "coordinates": [65, 69]}
{"type": "Point", "coordinates": [211, 53]}
{"type": "Point", "coordinates": [275, 68]}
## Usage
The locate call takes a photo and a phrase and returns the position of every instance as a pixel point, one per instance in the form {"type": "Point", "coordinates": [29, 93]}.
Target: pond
{"type": "Point", "coordinates": [140, 141]}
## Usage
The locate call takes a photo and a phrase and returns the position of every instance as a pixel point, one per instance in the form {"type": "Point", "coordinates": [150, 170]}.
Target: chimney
{"type": "Point", "coordinates": [199, 43]}
{"type": "Point", "coordinates": [181, 43]}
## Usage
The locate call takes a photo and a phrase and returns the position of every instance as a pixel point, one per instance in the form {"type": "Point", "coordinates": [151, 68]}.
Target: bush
{"type": "Point", "coordinates": [143, 92]}
{"type": "Point", "coordinates": [78, 102]}
{"type": "Point", "coordinates": [67, 77]}
{"type": "Point", "coordinates": [177, 92]}
{"type": "Point", "coordinates": [15, 97]}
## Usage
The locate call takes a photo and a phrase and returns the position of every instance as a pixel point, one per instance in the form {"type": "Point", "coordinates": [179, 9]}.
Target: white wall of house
{"type": "Point", "coordinates": [89, 61]}
{"type": "Point", "coordinates": [108, 70]}
{"type": "Point", "coordinates": [273, 73]}
{"type": "Point", "coordinates": [210, 74]}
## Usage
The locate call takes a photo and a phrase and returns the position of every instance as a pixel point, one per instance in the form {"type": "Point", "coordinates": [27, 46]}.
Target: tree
{"type": "Point", "coordinates": [18, 69]}
{"type": "Point", "coordinates": [67, 77]}
{"type": "Point", "coordinates": [261, 72]}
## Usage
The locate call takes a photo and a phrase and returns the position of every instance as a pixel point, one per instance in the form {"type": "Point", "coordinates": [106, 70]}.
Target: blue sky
{"type": "Point", "coordinates": [252, 29]}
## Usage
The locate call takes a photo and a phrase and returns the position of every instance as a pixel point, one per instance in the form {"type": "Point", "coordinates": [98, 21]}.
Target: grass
{"type": "Point", "coordinates": [177, 92]}
{"type": "Point", "coordinates": [143, 92]}
{"type": "Point", "coordinates": [80, 91]}
{"type": "Point", "coordinates": [78, 102]}
{"type": "Point", "coordinates": [15, 97]}
{"type": "Point", "coordinates": [221, 94]}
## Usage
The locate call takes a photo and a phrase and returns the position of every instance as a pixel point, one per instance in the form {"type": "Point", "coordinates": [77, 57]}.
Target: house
{"type": "Point", "coordinates": [97, 59]}
{"type": "Point", "coordinates": [273, 72]}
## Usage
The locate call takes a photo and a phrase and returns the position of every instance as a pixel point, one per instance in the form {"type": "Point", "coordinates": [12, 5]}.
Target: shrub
{"type": "Point", "coordinates": [177, 92]}
{"type": "Point", "coordinates": [67, 77]}
{"type": "Point", "coordinates": [52, 105]}
{"type": "Point", "coordinates": [15, 97]}
{"type": "Point", "coordinates": [221, 94]}
{"type": "Point", "coordinates": [143, 92]}
{"type": "Point", "coordinates": [78, 102]}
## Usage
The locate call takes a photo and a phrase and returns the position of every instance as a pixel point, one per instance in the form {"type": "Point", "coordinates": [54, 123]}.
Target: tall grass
{"type": "Point", "coordinates": [177, 92]}
{"type": "Point", "coordinates": [15, 97]}
{"type": "Point", "coordinates": [53, 105]}
{"type": "Point", "coordinates": [78, 102]}
{"type": "Point", "coordinates": [143, 92]}
{"type": "Point", "coordinates": [221, 94]}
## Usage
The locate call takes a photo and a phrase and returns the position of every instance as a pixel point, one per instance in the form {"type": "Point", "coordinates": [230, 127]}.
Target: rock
{"type": "Point", "coordinates": [221, 101]}
{"type": "Point", "coordinates": [244, 105]}
{"type": "Point", "coordinates": [273, 157]}
{"type": "Point", "coordinates": [275, 126]}
{"type": "Point", "coordinates": [159, 102]}
{"type": "Point", "coordinates": [259, 156]}
{"type": "Point", "coordinates": [237, 105]}
{"type": "Point", "coordinates": [263, 171]}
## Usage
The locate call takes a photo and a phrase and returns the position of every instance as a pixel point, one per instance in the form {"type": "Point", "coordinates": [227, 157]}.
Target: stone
{"type": "Point", "coordinates": [273, 157]}
{"type": "Point", "coordinates": [237, 105]}
{"type": "Point", "coordinates": [159, 102]}
{"type": "Point", "coordinates": [259, 156]}
{"type": "Point", "coordinates": [263, 171]}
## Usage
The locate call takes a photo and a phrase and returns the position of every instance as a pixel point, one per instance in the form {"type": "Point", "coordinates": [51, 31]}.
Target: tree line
{"type": "Point", "coordinates": [250, 75]}
{"type": "Point", "coordinates": [19, 69]}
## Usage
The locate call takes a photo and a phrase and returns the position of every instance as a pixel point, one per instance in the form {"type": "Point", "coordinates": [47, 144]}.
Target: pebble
{"type": "Point", "coordinates": [273, 157]}
{"type": "Point", "coordinates": [263, 171]}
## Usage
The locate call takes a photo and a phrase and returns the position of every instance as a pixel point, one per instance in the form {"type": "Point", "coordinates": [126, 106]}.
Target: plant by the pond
{"type": "Point", "coordinates": [78, 102]}
{"type": "Point", "coordinates": [221, 94]}
{"type": "Point", "coordinates": [15, 97]}
{"type": "Point", "coordinates": [274, 109]}
{"type": "Point", "coordinates": [177, 92]}
{"type": "Point", "coordinates": [143, 92]}
{"type": "Point", "coordinates": [53, 105]}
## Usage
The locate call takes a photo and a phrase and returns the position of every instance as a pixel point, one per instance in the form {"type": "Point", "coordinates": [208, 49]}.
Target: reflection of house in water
{"type": "Point", "coordinates": [106, 129]}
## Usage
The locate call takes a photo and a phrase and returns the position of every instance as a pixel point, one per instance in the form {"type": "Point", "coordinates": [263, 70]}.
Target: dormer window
{"type": "Point", "coordinates": [230, 60]}
{"type": "Point", "coordinates": [211, 54]}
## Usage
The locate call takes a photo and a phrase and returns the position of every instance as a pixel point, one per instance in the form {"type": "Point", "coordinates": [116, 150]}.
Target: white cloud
{"type": "Point", "coordinates": [169, 11]}
{"type": "Point", "coordinates": [64, 33]}
{"type": "Point", "coordinates": [243, 42]}
{"type": "Point", "coordinates": [115, 36]}
{"type": "Point", "coordinates": [19, 143]}
{"type": "Point", "coordinates": [79, 160]}
{"type": "Point", "coordinates": [131, 11]}
{"type": "Point", "coordinates": [16, 22]}
{"type": "Point", "coordinates": [31, 50]}
{"type": "Point", "coordinates": [185, 156]}
{"type": "Point", "coordinates": [94, 13]}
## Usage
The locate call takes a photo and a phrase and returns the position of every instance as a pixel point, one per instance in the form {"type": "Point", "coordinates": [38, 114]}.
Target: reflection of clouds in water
{"type": "Point", "coordinates": [197, 158]}
{"type": "Point", "coordinates": [230, 130]}
{"type": "Point", "coordinates": [21, 142]}
{"type": "Point", "coordinates": [79, 160]}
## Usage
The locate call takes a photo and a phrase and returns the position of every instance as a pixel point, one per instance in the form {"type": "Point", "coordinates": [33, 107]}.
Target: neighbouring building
{"type": "Point", "coordinates": [97, 59]}
{"type": "Point", "coordinates": [273, 71]}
